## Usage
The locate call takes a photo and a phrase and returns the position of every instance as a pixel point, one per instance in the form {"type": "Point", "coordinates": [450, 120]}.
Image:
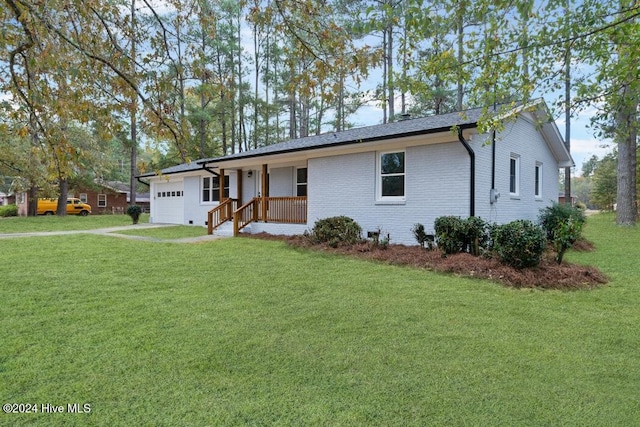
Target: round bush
{"type": "Point", "coordinates": [336, 230]}
{"type": "Point", "coordinates": [520, 243]}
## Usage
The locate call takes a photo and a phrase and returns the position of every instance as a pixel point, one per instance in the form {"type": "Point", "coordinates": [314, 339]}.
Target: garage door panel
{"type": "Point", "coordinates": [168, 201]}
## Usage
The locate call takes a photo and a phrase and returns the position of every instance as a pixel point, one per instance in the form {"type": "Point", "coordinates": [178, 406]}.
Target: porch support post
{"type": "Point", "coordinates": [264, 192]}
{"type": "Point", "coordinates": [221, 186]}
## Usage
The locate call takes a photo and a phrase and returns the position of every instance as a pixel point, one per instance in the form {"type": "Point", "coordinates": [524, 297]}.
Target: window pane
{"type": "Point", "coordinates": [301, 175]}
{"type": "Point", "coordinates": [393, 186]}
{"type": "Point", "coordinates": [302, 190]}
{"type": "Point", "coordinates": [392, 163]}
{"type": "Point", "coordinates": [512, 176]}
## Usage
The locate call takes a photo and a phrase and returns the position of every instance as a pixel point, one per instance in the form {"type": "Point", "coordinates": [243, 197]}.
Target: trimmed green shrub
{"type": "Point", "coordinates": [336, 230]}
{"type": "Point", "coordinates": [552, 216]}
{"type": "Point", "coordinates": [134, 212]}
{"type": "Point", "coordinates": [564, 236]}
{"type": "Point", "coordinates": [562, 225]}
{"type": "Point", "coordinates": [520, 243]}
{"type": "Point", "coordinates": [9, 210]}
{"type": "Point", "coordinates": [450, 234]}
{"type": "Point", "coordinates": [455, 234]}
{"type": "Point", "coordinates": [476, 234]}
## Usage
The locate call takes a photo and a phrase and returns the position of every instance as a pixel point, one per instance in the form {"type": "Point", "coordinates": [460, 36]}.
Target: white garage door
{"type": "Point", "coordinates": [168, 203]}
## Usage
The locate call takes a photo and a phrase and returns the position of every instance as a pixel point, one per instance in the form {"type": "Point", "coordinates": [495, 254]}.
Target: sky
{"type": "Point", "coordinates": [583, 143]}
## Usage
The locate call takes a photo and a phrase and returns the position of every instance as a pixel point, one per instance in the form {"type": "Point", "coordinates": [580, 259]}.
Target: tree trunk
{"type": "Point", "coordinates": [134, 108]}
{"type": "Point", "coordinates": [626, 132]}
{"type": "Point", "coordinates": [460, 40]}
{"type": "Point", "coordinates": [567, 129]}
{"type": "Point", "coordinates": [63, 185]}
{"type": "Point", "coordinates": [567, 132]}
{"type": "Point", "coordinates": [202, 127]}
{"type": "Point", "coordinates": [385, 79]}
{"type": "Point", "coordinates": [626, 210]}
{"type": "Point", "coordinates": [390, 77]}
{"type": "Point", "coordinates": [32, 201]}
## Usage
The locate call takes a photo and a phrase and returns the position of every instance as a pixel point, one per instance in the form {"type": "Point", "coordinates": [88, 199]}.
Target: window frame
{"type": "Point", "coordinates": [302, 184]}
{"type": "Point", "coordinates": [102, 203]}
{"type": "Point", "coordinates": [537, 185]}
{"type": "Point", "coordinates": [213, 188]}
{"type": "Point", "coordinates": [514, 175]}
{"type": "Point", "coordinates": [380, 197]}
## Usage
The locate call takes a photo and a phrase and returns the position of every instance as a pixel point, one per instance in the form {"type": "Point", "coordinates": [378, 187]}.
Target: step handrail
{"type": "Point", "coordinates": [220, 214]}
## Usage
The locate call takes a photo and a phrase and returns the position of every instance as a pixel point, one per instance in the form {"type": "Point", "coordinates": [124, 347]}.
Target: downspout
{"type": "Point", "coordinates": [493, 159]}
{"type": "Point", "coordinates": [472, 171]}
{"type": "Point", "coordinates": [211, 171]}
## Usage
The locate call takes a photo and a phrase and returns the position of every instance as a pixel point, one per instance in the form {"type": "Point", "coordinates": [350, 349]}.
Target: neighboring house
{"type": "Point", "coordinates": [109, 197]}
{"type": "Point", "coordinates": [386, 177]}
{"type": "Point", "coordinates": [561, 200]}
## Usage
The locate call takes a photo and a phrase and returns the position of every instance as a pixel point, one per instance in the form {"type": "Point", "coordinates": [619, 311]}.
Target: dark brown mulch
{"type": "Point", "coordinates": [548, 275]}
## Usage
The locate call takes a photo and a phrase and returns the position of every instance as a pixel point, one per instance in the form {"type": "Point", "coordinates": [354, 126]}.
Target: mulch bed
{"type": "Point", "coordinates": [548, 275]}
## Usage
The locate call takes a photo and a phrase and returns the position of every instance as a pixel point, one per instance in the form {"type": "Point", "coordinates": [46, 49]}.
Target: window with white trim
{"type": "Point", "coordinates": [83, 197]}
{"type": "Point", "coordinates": [391, 175]}
{"type": "Point", "coordinates": [102, 200]}
{"type": "Point", "coordinates": [211, 188]}
{"type": "Point", "coordinates": [514, 175]}
{"type": "Point", "coordinates": [538, 181]}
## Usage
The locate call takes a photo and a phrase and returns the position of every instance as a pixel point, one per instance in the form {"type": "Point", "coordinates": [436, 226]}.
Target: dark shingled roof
{"type": "Point", "coordinates": [402, 128]}
{"type": "Point", "coordinates": [184, 167]}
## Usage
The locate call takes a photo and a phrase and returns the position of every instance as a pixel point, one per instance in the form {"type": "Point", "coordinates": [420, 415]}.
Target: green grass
{"type": "Point", "coordinates": [69, 222]}
{"type": "Point", "coordinates": [169, 232]}
{"type": "Point", "coordinates": [252, 332]}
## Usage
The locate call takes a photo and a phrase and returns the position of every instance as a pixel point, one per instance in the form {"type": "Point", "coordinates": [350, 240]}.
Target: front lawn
{"type": "Point", "coordinates": [167, 232]}
{"type": "Point", "coordinates": [64, 223]}
{"type": "Point", "coordinates": [245, 331]}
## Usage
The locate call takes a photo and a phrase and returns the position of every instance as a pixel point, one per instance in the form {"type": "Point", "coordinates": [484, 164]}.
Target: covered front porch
{"type": "Point", "coordinates": [260, 206]}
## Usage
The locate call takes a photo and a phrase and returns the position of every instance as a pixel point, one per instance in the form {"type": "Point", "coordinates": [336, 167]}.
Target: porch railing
{"type": "Point", "coordinates": [220, 214]}
{"type": "Point", "coordinates": [291, 210]}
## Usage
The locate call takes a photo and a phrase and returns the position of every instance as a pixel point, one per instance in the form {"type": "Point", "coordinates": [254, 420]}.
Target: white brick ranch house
{"type": "Point", "coordinates": [386, 177]}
